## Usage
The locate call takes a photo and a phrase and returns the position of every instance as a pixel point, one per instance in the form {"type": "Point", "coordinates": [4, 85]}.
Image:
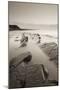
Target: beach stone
{"type": "Point", "coordinates": [51, 49]}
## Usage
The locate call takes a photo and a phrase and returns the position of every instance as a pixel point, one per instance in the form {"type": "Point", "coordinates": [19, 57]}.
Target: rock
{"type": "Point", "coordinates": [17, 71]}
{"type": "Point", "coordinates": [19, 59]}
{"type": "Point", "coordinates": [51, 49]}
{"type": "Point", "coordinates": [27, 76]}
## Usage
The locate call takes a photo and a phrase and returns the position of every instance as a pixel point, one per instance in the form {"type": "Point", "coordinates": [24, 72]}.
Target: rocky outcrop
{"type": "Point", "coordinates": [51, 49]}
{"type": "Point", "coordinates": [23, 74]}
{"type": "Point", "coordinates": [13, 27]}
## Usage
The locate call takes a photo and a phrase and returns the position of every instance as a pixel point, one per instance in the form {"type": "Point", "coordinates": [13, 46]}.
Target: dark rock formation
{"type": "Point", "coordinates": [22, 74]}
{"type": "Point", "coordinates": [13, 27]}
{"type": "Point", "coordinates": [51, 49]}
{"type": "Point", "coordinates": [28, 76]}
{"type": "Point", "coordinates": [20, 58]}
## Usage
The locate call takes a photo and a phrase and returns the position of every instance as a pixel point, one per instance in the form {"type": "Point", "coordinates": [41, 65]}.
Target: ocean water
{"type": "Point", "coordinates": [38, 56]}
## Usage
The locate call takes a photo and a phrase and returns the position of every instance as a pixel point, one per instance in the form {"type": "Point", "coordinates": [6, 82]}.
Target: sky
{"type": "Point", "coordinates": [32, 13]}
